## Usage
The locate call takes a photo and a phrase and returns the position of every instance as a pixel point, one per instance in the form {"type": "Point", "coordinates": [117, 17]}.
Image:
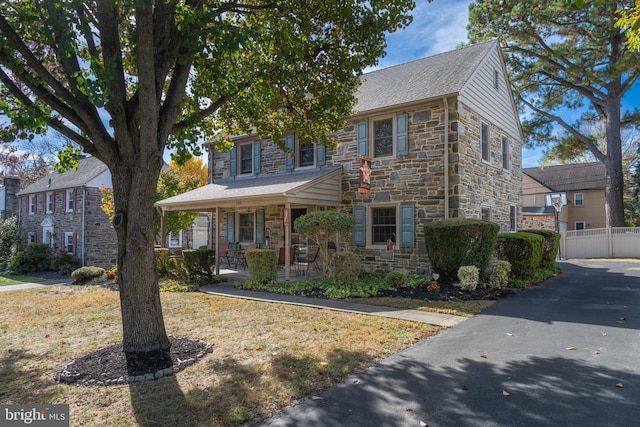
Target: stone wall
{"type": "Point", "coordinates": [99, 244]}
{"type": "Point", "coordinates": [538, 222]}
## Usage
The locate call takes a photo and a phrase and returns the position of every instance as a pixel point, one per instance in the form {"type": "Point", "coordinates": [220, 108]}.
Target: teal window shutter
{"type": "Point", "coordinates": [260, 227]}
{"type": "Point", "coordinates": [363, 138]}
{"type": "Point", "coordinates": [231, 227]}
{"type": "Point", "coordinates": [320, 155]}
{"type": "Point", "coordinates": [407, 226]}
{"type": "Point", "coordinates": [402, 134]}
{"type": "Point", "coordinates": [233, 161]}
{"type": "Point", "coordinates": [256, 157]}
{"type": "Point", "coordinates": [290, 142]}
{"type": "Point", "coordinates": [360, 228]}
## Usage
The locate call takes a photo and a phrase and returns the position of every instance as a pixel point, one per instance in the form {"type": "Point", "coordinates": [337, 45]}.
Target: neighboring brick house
{"type": "Point", "coordinates": [584, 185]}
{"type": "Point", "coordinates": [64, 211]}
{"type": "Point", "coordinates": [408, 116]}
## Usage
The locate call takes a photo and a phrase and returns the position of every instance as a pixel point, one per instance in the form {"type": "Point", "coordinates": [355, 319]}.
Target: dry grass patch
{"type": "Point", "coordinates": [266, 356]}
{"type": "Point", "coordinates": [458, 308]}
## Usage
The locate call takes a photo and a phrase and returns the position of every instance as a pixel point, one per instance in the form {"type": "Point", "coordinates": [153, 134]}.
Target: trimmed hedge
{"type": "Point", "coordinates": [452, 243]}
{"type": "Point", "coordinates": [523, 250]}
{"type": "Point", "coordinates": [263, 264]}
{"type": "Point", "coordinates": [163, 260]}
{"type": "Point", "coordinates": [550, 246]}
{"type": "Point", "coordinates": [197, 262]}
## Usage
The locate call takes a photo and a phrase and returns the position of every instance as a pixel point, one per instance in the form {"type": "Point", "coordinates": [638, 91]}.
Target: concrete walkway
{"type": "Point", "coordinates": [21, 286]}
{"type": "Point", "coordinates": [438, 319]}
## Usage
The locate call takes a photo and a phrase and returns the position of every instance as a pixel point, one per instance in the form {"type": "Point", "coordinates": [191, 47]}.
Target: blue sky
{"type": "Point", "coordinates": [440, 26]}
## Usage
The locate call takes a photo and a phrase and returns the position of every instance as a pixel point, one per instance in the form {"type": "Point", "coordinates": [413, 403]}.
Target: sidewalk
{"type": "Point", "coordinates": [22, 286]}
{"type": "Point", "coordinates": [438, 319]}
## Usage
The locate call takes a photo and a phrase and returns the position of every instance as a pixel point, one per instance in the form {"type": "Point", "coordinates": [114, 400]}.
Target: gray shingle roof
{"type": "Point", "coordinates": [270, 185]}
{"type": "Point", "coordinates": [89, 168]}
{"type": "Point", "coordinates": [430, 77]}
{"type": "Point", "coordinates": [580, 176]}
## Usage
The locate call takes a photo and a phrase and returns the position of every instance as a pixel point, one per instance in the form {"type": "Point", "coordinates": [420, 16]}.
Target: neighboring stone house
{"type": "Point", "coordinates": [9, 203]}
{"type": "Point", "coordinates": [64, 211]}
{"type": "Point", "coordinates": [434, 138]}
{"type": "Point", "coordinates": [584, 186]}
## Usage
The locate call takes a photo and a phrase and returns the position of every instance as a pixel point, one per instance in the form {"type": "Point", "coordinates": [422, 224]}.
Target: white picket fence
{"type": "Point", "coordinates": [612, 242]}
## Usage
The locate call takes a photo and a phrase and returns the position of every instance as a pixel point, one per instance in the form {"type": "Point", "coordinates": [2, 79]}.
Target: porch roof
{"type": "Point", "coordinates": [315, 187]}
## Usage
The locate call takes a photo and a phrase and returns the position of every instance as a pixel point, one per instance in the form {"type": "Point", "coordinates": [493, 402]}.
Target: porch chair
{"type": "Point", "coordinates": [308, 261]}
{"type": "Point", "coordinates": [224, 253]}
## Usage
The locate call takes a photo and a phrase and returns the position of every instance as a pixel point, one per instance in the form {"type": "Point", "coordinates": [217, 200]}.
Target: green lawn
{"type": "Point", "coordinates": [18, 279]}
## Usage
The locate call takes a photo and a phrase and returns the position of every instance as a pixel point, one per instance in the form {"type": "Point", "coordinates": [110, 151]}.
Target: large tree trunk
{"type": "Point", "coordinates": [142, 320]}
{"type": "Point", "coordinates": [614, 190]}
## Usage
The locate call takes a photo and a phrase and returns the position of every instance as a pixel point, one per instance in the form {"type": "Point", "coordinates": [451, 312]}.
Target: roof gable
{"type": "Point", "coordinates": [88, 169]}
{"type": "Point", "coordinates": [579, 176]}
{"type": "Point", "coordinates": [426, 78]}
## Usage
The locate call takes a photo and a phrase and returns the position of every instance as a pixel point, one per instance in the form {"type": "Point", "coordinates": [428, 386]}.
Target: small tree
{"type": "Point", "coordinates": [10, 239]}
{"type": "Point", "coordinates": [321, 226]}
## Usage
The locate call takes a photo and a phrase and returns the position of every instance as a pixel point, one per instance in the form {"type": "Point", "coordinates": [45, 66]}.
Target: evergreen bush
{"type": "Point", "coordinates": [197, 262]}
{"type": "Point", "coordinates": [35, 257]}
{"type": "Point", "coordinates": [263, 265]}
{"type": "Point", "coordinates": [89, 272]}
{"type": "Point", "coordinates": [468, 276]}
{"type": "Point", "coordinates": [395, 280]}
{"type": "Point", "coordinates": [499, 276]}
{"type": "Point", "coordinates": [163, 260]}
{"type": "Point", "coordinates": [10, 239]}
{"type": "Point", "coordinates": [523, 250]}
{"type": "Point", "coordinates": [346, 266]}
{"type": "Point", "coordinates": [64, 263]}
{"type": "Point", "coordinates": [550, 246]}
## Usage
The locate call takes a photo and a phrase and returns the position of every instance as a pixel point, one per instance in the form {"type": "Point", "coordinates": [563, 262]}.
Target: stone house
{"type": "Point", "coordinates": [64, 211]}
{"type": "Point", "coordinates": [9, 203]}
{"type": "Point", "coordinates": [433, 138]}
{"type": "Point", "coordinates": [584, 187]}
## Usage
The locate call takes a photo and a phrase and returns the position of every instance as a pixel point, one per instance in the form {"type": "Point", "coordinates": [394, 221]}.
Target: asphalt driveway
{"type": "Point", "coordinates": [564, 353]}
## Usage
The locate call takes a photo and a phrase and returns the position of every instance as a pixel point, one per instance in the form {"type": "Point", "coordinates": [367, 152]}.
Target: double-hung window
{"type": "Point", "coordinates": [303, 154]}
{"type": "Point", "coordinates": [383, 224]}
{"type": "Point", "coordinates": [306, 151]}
{"type": "Point", "coordinates": [376, 225]}
{"type": "Point", "coordinates": [70, 200]}
{"type": "Point", "coordinates": [246, 158]}
{"type": "Point", "coordinates": [383, 137]}
{"type": "Point", "coordinates": [175, 239]}
{"type": "Point", "coordinates": [49, 202]}
{"type": "Point", "coordinates": [69, 243]}
{"type": "Point", "coordinates": [505, 153]}
{"type": "Point", "coordinates": [578, 199]}
{"type": "Point", "coordinates": [32, 204]}
{"type": "Point", "coordinates": [484, 141]}
{"type": "Point", "coordinates": [246, 227]}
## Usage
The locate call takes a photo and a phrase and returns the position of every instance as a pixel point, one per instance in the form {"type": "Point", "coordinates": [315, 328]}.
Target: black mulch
{"type": "Point", "coordinates": [109, 365]}
{"type": "Point", "coordinates": [449, 292]}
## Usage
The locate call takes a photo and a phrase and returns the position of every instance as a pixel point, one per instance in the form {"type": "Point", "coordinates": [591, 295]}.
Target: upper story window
{"type": "Point", "coordinates": [32, 204]}
{"type": "Point", "coordinates": [484, 141]}
{"type": "Point", "coordinates": [49, 202]}
{"type": "Point", "coordinates": [578, 199]}
{"type": "Point", "coordinates": [505, 153]}
{"type": "Point", "coordinates": [382, 137]}
{"type": "Point", "coordinates": [485, 214]}
{"type": "Point", "coordinates": [302, 154]}
{"type": "Point", "coordinates": [383, 131]}
{"type": "Point", "coordinates": [70, 200]}
{"type": "Point", "coordinates": [305, 155]}
{"type": "Point", "coordinates": [245, 159]}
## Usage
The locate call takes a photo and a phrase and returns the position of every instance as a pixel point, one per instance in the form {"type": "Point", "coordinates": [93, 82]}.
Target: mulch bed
{"type": "Point", "coordinates": [450, 292]}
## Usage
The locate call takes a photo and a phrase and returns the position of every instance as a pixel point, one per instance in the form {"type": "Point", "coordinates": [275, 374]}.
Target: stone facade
{"type": "Point", "coordinates": [476, 187]}
{"type": "Point", "coordinates": [9, 203]}
{"type": "Point", "coordinates": [63, 228]}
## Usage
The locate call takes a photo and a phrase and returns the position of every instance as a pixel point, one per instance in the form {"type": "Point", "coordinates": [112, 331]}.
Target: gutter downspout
{"type": "Point", "coordinates": [446, 157]}
{"type": "Point", "coordinates": [84, 240]}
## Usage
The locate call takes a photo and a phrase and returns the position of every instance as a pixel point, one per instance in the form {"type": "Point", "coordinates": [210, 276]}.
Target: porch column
{"type": "Point", "coordinates": [287, 244]}
{"type": "Point", "coordinates": [163, 229]}
{"type": "Point", "coordinates": [216, 239]}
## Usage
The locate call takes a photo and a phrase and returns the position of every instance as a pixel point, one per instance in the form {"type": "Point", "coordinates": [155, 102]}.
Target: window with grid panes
{"type": "Point", "coordinates": [383, 224]}
{"type": "Point", "coordinates": [246, 158]}
{"type": "Point", "coordinates": [383, 137]}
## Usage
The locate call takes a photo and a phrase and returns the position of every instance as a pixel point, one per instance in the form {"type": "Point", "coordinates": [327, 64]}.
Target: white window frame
{"type": "Point", "coordinates": [580, 197]}
{"type": "Point", "coordinates": [253, 232]}
{"type": "Point", "coordinates": [32, 204]}
{"type": "Point", "coordinates": [31, 237]}
{"type": "Point", "coordinates": [486, 143]}
{"type": "Point", "coordinates": [70, 200]}
{"type": "Point", "coordinates": [372, 138]}
{"type": "Point", "coordinates": [575, 225]}
{"type": "Point", "coordinates": [171, 239]}
{"type": "Point", "coordinates": [485, 214]}
{"type": "Point", "coordinates": [49, 202]}
{"type": "Point", "coordinates": [506, 154]}
{"type": "Point", "coordinates": [299, 156]}
{"type": "Point", "coordinates": [370, 224]}
{"type": "Point", "coordinates": [513, 218]}
{"type": "Point", "coordinates": [239, 166]}
{"type": "Point", "coordinates": [68, 242]}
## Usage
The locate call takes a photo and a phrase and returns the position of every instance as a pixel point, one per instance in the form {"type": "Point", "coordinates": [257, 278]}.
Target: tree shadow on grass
{"type": "Point", "coordinates": [534, 392]}
{"type": "Point", "coordinates": [13, 379]}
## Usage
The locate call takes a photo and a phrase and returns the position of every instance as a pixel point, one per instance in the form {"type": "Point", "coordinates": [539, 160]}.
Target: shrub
{"type": "Point", "coordinates": [84, 273]}
{"type": "Point", "coordinates": [263, 264]}
{"type": "Point", "coordinates": [469, 276]}
{"type": "Point", "coordinates": [197, 263]}
{"type": "Point", "coordinates": [10, 239]}
{"type": "Point", "coordinates": [452, 243]}
{"type": "Point", "coordinates": [395, 280]}
{"type": "Point", "coordinates": [550, 246]}
{"type": "Point", "coordinates": [347, 266]}
{"type": "Point", "coordinates": [35, 257]}
{"type": "Point", "coordinates": [523, 250]}
{"type": "Point", "coordinates": [163, 260]}
{"type": "Point", "coordinates": [64, 263]}
{"type": "Point", "coordinates": [499, 276]}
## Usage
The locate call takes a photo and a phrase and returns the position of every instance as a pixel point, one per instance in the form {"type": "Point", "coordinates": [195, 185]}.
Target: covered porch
{"type": "Point", "coordinates": [259, 211]}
